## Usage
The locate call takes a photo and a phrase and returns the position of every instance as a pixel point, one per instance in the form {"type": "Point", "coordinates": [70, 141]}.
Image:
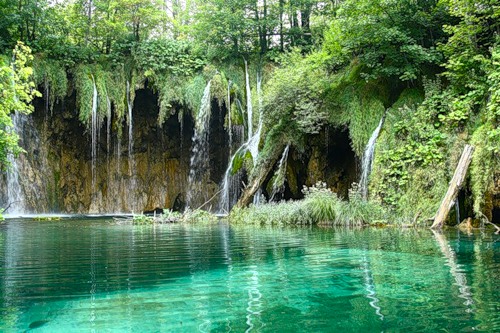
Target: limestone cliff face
{"type": "Point", "coordinates": [56, 173]}
{"type": "Point", "coordinates": [328, 158]}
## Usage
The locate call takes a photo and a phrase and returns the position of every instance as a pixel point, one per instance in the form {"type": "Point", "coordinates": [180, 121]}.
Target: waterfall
{"type": "Point", "coordinates": [108, 125]}
{"type": "Point", "coordinates": [15, 194]}
{"type": "Point", "coordinates": [279, 179]}
{"type": "Point", "coordinates": [131, 160]}
{"type": "Point", "coordinates": [94, 126]}
{"type": "Point", "coordinates": [231, 183]}
{"type": "Point", "coordinates": [228, 108]}
{"type": "Point", "coordinates": [224, 203]}
{"type": "Point", "coordinates": [130, 124]}
{"type": "Point", "coordinates": [240, 107]}
{"type": "Point", "coordinates": [255, 140]}
{"type": "Point", "coordinates": [253, 143]}
{"type": "Point", "coordinates": [366, 166]}
{"type": "Point", "coordinates": [199, 162]}
{"type": "Point", "coordinates": [249, 102]}
{"type": "Point", "coordinates": [225, 200]}
{"type": "Point", "coordinates": [457, 209]}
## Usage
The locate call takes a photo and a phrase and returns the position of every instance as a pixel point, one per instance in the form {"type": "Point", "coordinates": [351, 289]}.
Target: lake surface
{"type": "Point", "coordinates": [96, 275]}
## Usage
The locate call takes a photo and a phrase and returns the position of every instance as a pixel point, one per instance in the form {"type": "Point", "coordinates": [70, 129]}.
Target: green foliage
{"type": "Point", "coordinates": [357, 103]}
{"type": "Point", "coordinates": [484, 165]}
{"type": "Point", "coordinates": [294, 95]}
{"type": "Point", "coordinates": [84, 84]}
{"type": "Point", "coordinates": [283, 213]}
{"type": "Point", "coordinates": [51, 74]}
{"type": "Point", "coordinates": [17, 90]}
{"type": "Point", "coordinates": [198, 216]}
{"type": "Point", "coordinates": [170, 216]}
{"type": "Point", "coordinates": [168, 56]}
{"type": "Point", "coordinates": [486, 138]}
{"type": "Point", "coordinates": [143, 219]}
{"type": "Point", "coordinates": [394, 38]}
{"type": "Point", "coordinates": [324, 205]}
{"type": "Point", "coordinates": [175, 90]}
{"type": "Point", "coordinates": [358, 211]}
{"type": "Point", "coordinates": [319, 206]}
{"type": "Point", "coordinates": [110, 84]}
{"type": "Point", "coordinates": [414, 141]}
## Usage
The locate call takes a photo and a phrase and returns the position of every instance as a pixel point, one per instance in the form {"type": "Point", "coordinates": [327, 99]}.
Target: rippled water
{"type": "Point", "coordinates": [96, 275]}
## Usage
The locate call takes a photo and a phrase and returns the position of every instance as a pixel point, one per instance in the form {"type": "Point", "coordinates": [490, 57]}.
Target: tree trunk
{"type": "Point", "coordinates": [455, 186]}
{"type": "Point", "coordinates": [257, 181]}
{"type": "Point", "coordinates": [263, 45]}
{"type": "Point", "coordinates": [305, 15]}
{"type": "Point", "coordinates": [89, 22]}
{"type": "Point", "coordinates": [282, 43]}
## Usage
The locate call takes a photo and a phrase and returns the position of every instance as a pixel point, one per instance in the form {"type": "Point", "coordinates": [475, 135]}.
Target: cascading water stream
{"type": "Point", "coordinates": [199, 162]}
{"type": "Point", "coordinates": [225, 204]}
{"type": "Point", "coordinates": [366, 166]}
{"type": "Point", "coordinates": [15, 194]}
{"type": "Point", "coordinates": [108, 124]}
{"type": "Point", "coordinates": [94, 129]}
{"type": "Point", "coordinates": [130, 126]}
{"type": "Point", "coordinates": [255, 140]}
{"type": "Point", "coordinates": [230, 125]}
{"type": "Point", "coordinates": [131, 160]}
{"type": "Point", "coordinates": [231, 182]}
{"type": "Point", "coordinates": [279, 179]}
{"type": "Point", "coordinates": [249, 102]}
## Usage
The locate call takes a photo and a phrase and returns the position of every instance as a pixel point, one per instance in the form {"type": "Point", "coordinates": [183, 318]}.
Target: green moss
{"type": "Point", "coordinates": [484, 165]}
{"type": "Point", "coordinates": [51, 74]}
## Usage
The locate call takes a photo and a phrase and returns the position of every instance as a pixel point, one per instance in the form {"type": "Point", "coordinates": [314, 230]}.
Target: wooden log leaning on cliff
{"type": "Point", "coordinates": [454, 187]}
{"type": "Point", "coordinates": [258, 179]}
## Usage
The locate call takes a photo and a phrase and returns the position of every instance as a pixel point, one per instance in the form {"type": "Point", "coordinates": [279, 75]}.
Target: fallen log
{"type": "Point", "coordinates": [258, 179]}
{"type": "Point", "coordinates": [454, 187]}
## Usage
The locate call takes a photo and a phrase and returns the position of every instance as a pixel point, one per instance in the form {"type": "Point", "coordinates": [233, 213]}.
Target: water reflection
{"type": "Point", "coordinates": [456, 270]}
{"type": "Point", "coordinates": [98, 276]}
{"type": "Point", "coordinates": [254, 305]}
{"type": "Point", "coordinates": [370, 287]}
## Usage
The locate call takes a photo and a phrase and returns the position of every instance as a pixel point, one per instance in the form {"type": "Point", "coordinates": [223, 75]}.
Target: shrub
{"type": "Point", "coordinates": [198, 216]}
{"type": "Point", "coordinates": [320, 206]}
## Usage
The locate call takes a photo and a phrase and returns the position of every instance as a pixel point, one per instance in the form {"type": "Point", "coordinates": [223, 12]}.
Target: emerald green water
{"type": "Point", "coordinates": [100, 276]}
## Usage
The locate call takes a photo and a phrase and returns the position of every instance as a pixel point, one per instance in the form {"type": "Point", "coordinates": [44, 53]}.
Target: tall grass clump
{"type": "Point", "coordinates": [320, 206]}
{"type": "Point", "coordinates": [358, 211]}
{"type": "Point", "coordinates": [321, 203]}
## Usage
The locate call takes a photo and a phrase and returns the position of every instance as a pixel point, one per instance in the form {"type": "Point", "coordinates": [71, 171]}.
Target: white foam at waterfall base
{"type": "Point", "coordinates": [366, 166]}
{"type": "Point", "coordinates": [199, 161]}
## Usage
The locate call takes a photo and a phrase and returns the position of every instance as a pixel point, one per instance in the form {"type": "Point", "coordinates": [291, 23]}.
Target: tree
{"type": "Point", "coordinates": [391, 39]}
{"type": "Point", "coordinates": [17, 92]}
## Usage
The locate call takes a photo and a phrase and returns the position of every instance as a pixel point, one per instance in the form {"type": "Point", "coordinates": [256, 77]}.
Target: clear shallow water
{"type": "Point", "coordinates": [95, 275]}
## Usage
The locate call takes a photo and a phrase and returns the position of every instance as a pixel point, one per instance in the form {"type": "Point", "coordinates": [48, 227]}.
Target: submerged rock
{"type": "Point", "coordinates": [37, 324]}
